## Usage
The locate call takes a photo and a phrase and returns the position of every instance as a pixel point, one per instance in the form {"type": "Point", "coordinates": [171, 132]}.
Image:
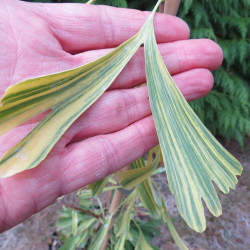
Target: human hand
{"type": "Point", "coordinates": [41, 39]}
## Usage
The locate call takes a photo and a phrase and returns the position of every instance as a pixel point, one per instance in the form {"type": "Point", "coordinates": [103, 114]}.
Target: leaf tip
{"type": "Point", "coordinates": [200, 228]}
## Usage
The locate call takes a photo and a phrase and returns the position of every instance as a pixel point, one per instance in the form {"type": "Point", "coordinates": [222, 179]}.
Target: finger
{"type": "Point", "coordinates": [80, 27]}
{"type": "Point", "coordinates": [119, 108]}
{"type": "Point", "coordinates": [194, 83]}
{"type": "Point", "coordinates": [93, 159]}
{"type": "Point", "coordinates": [178, 56]}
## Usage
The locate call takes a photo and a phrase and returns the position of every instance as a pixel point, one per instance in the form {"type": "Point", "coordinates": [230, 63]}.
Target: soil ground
{"type": "Point", "coordinates": [229, 231]}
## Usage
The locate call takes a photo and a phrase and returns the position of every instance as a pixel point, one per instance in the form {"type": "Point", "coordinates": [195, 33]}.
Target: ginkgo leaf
{"type": "Point", "coordinates": [98, 186]}
{"type": "Point", "coordinates": [68, 94]}
{"type": "Point", "coordinates": [146, 191]}
{"type": "Point", "coordinates": [74, 222]}
{"type": "Point", "coordinates": [85, 224]}
{"type": "Point", "coordinates": [139, 173]}
{"type": "Point", "coordinates": [98, 238]}
{"type": "Point", "coordinates": [142, 243]}
{"type": "Point", "coordinates": [70, 243]}
{"type": "Point", "coordinates": [193, 158]}
{"type": "Point", "coordinates": [123, 224]}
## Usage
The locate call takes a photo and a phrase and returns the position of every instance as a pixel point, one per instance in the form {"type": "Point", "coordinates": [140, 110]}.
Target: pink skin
{"type": "Point", "coordinates": [40, 39]}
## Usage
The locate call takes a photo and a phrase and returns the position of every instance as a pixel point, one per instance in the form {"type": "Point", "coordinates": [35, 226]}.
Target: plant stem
{"type": "Point", "coordinates": [107, 199]}
{"type": "Point", "coordinates": [116, 200]}
{"type": "Point", "coordinates": [170, 7]}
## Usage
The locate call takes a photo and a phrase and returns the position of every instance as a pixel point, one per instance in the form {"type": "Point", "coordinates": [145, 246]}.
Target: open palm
{"type": "Point", "coordinates": [39, 39]}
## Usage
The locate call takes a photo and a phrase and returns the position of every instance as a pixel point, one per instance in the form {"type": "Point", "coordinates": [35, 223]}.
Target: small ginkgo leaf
{"type": "Point", "coordinates": [193, 157]}
{"type": "Point", "coordinates": [146, 191]}
{"type": "Point", "coordinates": [98, 238]}
{"type": "Point", "coordinates": [142, 243]}
{"type": "Point", "coordinates": [70, 243]}
{"type": "Point", "coordinates": [123, 224]}
{"type": "Point", "coordinates": [74, 222]}
{"type": "Point", "coordinates": [83, 239]}
{"type": "Point", "coordinates": [130, 178]}
{"type": "Point", "coordinates": [86, 224]}
{"type": "Point", "coordinates": [153, 152]}
{"type": "Point", "coordinates": [98, 186]}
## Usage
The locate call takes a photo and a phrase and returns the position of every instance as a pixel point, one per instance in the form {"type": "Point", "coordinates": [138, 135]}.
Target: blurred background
{"type": "Point", "coordinates": [225, 112]}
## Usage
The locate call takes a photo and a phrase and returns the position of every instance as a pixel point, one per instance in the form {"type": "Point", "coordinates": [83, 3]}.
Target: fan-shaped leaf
{"type": "Point", "coordinates": [193, 157]}
{"type": "Point", "coordinates": [132, 177]}
{"type": "Point", "coordinates": [68, 94]}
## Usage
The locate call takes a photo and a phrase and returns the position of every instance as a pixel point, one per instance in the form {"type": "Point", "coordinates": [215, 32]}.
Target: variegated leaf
{"type": "Point", "coordinates": [193, 158]}
{"type": "Point", "coordinates": [132, 177]}
{"type": "Point", "coordinates": [98, 186]}
{"type": "Point", "coordinates": [146, 191]}
{"type": "Point", "coordinates": [98, 239]}
{"type": "Point", "coordinates": [68, 94]}
{"type": "Point", "coordinates": [142, 243]}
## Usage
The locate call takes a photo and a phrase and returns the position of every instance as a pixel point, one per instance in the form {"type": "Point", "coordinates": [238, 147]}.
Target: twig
{"type": "Point", "coordinates": [107, 199]}
{"type": "Point", "coordinates": [117, 198]}
{"type": "Point", "coordinates": [81, 210]}
{"type": "Point", "coordinates": [170, 7]}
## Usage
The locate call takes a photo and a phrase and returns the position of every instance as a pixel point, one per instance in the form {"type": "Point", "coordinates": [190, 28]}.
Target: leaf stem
{"type": "Point", "coordinates": [90, 1]}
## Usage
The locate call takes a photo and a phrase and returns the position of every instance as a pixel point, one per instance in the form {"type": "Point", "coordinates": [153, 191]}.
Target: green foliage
{"type": "Point", "coordinates": [81, 230]}
{"type": "Point", "coordinates": [225, 111]}
{"type": "Point", "coordinates": [131, 225]}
